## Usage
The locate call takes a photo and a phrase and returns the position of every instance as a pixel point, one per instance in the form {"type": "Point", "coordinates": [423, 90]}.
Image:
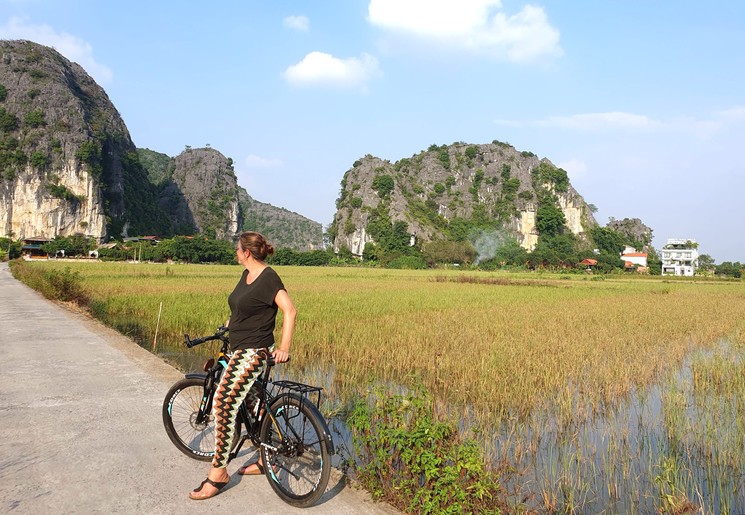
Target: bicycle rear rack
{"type": "Point", "coordinates": [304, 390]}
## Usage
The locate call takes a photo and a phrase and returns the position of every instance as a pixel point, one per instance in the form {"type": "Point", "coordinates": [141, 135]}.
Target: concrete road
{"type": "Point", "coordinates": [81, 431]}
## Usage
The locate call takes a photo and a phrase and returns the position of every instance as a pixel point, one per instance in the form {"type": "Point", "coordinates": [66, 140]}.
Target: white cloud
{"type": "Point", "coordinates": [254, 161]}
{"type": "Point", "coordinates": [300, 23]}
{"type": "Point", "coordinates": [589, 122]}
{"type": "Point", "coordinates": [736, 113]}
{"type": "Point", "coordinates": [72, 47]}
{"type": "Point", "coordinates": [474, 25]}
{"type": "Point", "coordinates": [630, 123]}
{"type": "Point", "coordinates": [318, 68]}
{"type": "Point", "coordinates": [598, 121]}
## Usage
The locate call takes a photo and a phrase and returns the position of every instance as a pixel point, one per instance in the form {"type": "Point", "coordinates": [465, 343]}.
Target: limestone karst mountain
{"type": "Point", "coordinates": [68, 166]}
{"type": "Point", "coordinates": [198, 189]}
{"type": "Point", "coordinates": [449, 191]}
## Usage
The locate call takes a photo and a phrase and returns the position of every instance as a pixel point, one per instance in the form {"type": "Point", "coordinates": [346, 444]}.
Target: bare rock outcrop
{"type": "Point", "coordinates": [449, 191]}
{"type": "Point", "coordinates": [67, 162]}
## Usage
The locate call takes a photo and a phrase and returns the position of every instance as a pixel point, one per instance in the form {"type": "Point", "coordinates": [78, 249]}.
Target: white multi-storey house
{"type": "Point", "coordinates": [679, 257]}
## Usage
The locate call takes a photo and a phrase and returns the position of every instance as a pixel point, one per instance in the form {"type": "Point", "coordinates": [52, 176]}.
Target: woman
{"type": "Point", "coordinates": [253, 308]}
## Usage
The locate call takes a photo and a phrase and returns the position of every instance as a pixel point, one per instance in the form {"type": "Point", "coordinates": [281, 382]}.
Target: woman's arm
{"type": "Point", "coordinates": [288, 326]}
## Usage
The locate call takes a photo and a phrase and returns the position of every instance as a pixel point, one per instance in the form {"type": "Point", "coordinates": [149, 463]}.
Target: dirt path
{"type": "Point", "coordinates": [81, 426]}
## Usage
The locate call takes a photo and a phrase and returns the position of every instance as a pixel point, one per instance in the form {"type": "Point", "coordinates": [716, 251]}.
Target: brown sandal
{"type": "Point", "coordinates": [216, 484]}
{"type": "Point", "coordinates": [259, 470]}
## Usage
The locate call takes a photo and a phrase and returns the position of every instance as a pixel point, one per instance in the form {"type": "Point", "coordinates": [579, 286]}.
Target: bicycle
{"type": "Point", "coordinates": [280, 418]}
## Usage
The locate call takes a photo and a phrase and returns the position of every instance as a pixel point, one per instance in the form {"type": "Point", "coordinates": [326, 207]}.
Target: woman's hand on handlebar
{"type": "Point", "coordinates": [281, 356]}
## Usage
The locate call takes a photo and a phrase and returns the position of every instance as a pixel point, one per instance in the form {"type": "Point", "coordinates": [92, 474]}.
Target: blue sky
{"type": "Point", "coordinates": [643, 103]}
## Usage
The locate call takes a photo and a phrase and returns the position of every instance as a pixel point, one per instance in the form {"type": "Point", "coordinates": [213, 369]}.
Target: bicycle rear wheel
{"type": "Point", "coordinates": [180, 413]}
{"type": "Point", "coordinates": [294, 452]}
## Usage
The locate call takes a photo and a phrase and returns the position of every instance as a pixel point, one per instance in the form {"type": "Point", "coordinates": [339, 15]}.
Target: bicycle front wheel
{"type": "Point", "coordinates": [294, 451]}
{"type": "Point", "coordinates": [191, 436]}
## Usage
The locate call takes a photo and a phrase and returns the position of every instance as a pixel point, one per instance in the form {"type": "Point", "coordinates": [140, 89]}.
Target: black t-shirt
{"type": "Point", "coordinates": [253, 310]}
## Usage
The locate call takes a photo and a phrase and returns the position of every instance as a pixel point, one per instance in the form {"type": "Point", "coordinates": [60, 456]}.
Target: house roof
{"type": "Point", "coordinates": [635, 254]}
{"type": "Point", "coordinates": [589, 261]}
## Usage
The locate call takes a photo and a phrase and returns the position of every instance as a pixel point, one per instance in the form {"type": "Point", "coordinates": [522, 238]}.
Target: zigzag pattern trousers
{"type": "Point", "coordinates": [244, 367]}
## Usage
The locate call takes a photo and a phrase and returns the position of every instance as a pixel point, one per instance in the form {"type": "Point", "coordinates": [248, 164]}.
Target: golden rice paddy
{"type": "Point", "coordinates": [527, 355]}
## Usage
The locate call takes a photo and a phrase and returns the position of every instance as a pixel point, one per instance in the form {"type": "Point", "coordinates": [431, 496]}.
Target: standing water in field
{"type": "Point", "coordinates": [677, 446]}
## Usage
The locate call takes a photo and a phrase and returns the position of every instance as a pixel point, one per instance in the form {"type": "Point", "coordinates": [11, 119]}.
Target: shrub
{"type": "Point", "coordinates": [8, 121]}
{"type": "Point", "coordinates": [444, 157]}
{"type": "Point", "coordinates": [39, 159]}
{"type": "Point", "coordinates": [61, 285]}
{"type": "Point", "coordinates": [408, 263]}
{"type": "Point", "coordinates": [34, 118]}
{"type": "Point", "coordinates": [416, 463]}
{"type": "Point", "coordinates": [62, 192]}
{"type": "Point", "coordinates": [89, 152]}
{"type": "Point", "coordinates": [383, 185]}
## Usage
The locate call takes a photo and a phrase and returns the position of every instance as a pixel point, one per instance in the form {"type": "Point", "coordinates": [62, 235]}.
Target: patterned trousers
{"type": "Point", "coordinates": [244, 367]}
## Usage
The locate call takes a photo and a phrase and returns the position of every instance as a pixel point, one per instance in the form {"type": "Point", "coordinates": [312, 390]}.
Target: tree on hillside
{"type": "Point", "coordinates": [607, 240]}
{"type": "Point", "coordinates": [549, 219]}
{"type": "Point", "coordinates": [383, 185]}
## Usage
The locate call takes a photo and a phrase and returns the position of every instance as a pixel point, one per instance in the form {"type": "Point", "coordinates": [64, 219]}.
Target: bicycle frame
{"type": "Point", "coordinates": [251, 418]}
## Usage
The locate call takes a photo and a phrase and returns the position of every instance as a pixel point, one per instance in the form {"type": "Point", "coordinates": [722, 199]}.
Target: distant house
{"type": "Point", "coordinates": [589, 262]}
{"type": "Point", "coordinates": [31, 248]}
{"type": "Point", "coordinates": [679, 257]}
{"type": "Point", "coordinates": [634, 260]}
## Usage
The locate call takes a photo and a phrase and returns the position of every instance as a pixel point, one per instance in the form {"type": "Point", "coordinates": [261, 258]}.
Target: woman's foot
{"type": "Point", "coordinates": [211, 486]}
{"type": "Point", "coordinates": [252, 469]}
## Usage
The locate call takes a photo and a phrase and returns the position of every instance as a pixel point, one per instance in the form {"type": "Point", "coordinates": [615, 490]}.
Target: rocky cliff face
{"type": "Point", "coordinates": [204, 183]}
{"type": "Point", "coordinates": [68, 166]}
{"type": "Point", "coordinates": [67, 163]}
{"type": "Point", "coordinates": [198, 190]}
{"type": "Point", "coordinates": [449, 191]}
{"type": "Point", "coordinates": [283, 228]}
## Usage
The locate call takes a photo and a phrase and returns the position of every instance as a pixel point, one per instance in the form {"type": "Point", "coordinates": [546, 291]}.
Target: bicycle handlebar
{"type": "Point", "coordinates": [198, 341]}
{"type": "Point", "coordinates": [218, 336]}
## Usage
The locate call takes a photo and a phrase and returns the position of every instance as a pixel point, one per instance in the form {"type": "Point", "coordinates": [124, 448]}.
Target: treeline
{"type": "Point", "coordinates": [181, 248]}
{"type": "Point", "coordinates": [489, 249]}
{"type": "Point", "coordinates": [197, 249]}
{"type": "Point", "coordinates": [730, 269]}
{"type": "Point", "coordinates": [393, 251]}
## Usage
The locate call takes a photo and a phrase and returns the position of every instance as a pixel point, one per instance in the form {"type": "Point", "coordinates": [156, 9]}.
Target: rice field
{"type": "Point", "coordinates": [591, 393]}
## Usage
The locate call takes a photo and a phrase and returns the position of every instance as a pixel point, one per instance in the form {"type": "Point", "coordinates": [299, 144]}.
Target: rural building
{"type": "Point", "coordinates": [634, 260]}
{"type": "Point", "coordinates": [31, 248]}
{"type": "Point", "coordinates": [679, 257]}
